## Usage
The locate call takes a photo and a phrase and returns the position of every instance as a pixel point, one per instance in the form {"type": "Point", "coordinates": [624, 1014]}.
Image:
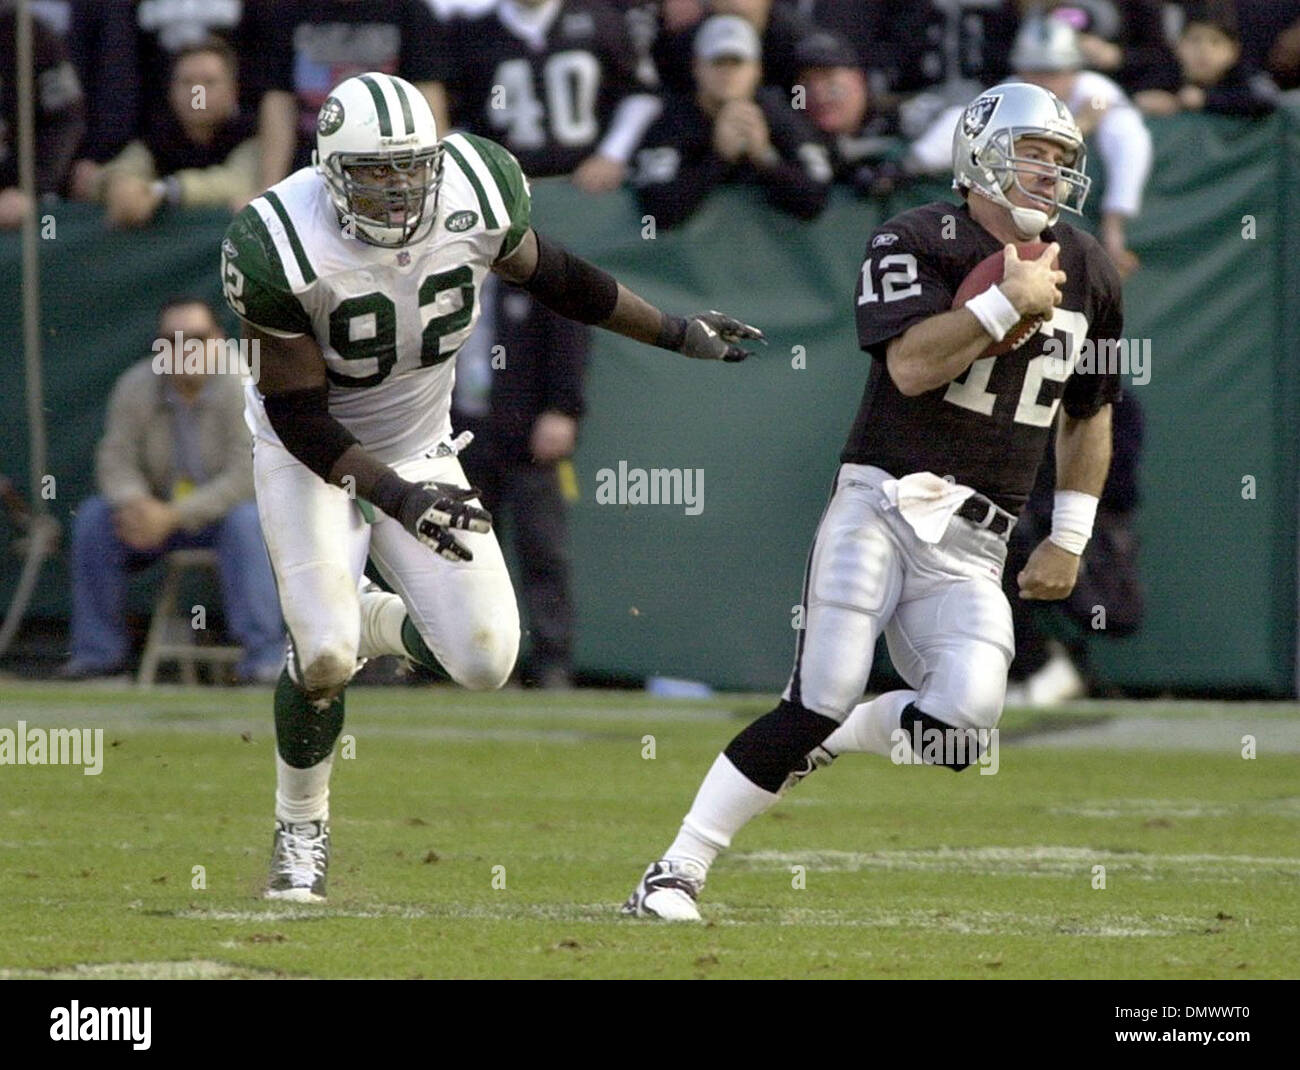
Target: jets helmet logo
{"type": "Point", "coordinates": [977, 116]}
{"type": "Point", "coordinates": [331, 116]}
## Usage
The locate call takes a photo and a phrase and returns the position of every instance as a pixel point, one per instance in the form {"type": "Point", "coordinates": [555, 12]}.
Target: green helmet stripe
{"type": "Point", "coordinates": [407, 117]}
{"type": "Point", "coordinates": [381, 105]}
{"type": "Point", "coordinates": [304, 265]}
{"type": "Point", "coordinates": [488, 215]}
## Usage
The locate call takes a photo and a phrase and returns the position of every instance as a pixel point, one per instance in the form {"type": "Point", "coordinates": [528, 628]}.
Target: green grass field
{"type": "Point", "coordinates": [908, 872]}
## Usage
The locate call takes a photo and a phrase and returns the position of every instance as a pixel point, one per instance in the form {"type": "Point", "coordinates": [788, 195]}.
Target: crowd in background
{"type": "Point", "coordinates": [141, 104]}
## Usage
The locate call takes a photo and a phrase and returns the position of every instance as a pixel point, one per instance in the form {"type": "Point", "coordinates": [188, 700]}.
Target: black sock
{"type": "Point", "coordinates": [771, 748]}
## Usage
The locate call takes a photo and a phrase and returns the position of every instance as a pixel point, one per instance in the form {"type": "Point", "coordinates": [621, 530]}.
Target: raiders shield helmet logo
{"type": "Point", "coordinates": [977, 116]}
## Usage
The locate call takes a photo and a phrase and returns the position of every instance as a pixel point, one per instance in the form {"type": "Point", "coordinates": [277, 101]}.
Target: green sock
{"type": "Point", "coordinates": [417, 650]}
{"type": "Point", "coordinates": [304, 734]}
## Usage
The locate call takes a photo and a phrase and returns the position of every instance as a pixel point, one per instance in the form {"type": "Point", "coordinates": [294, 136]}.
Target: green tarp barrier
{"type": "Point", "coordinates": [711, 596]}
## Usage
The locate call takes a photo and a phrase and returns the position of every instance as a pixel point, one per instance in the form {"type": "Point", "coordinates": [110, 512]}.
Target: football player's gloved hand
{"type": "Point", "coordinates": [712, 336]}
{"type": "Point", "coordinates": [440, 508]}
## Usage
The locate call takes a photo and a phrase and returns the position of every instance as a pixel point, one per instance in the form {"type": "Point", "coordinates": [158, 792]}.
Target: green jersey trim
{"type": "Point", "coordinates": [299, 254]}
{"type": "Point", "coordinates": [253, 278]}
{"type": "Point", "coordinates": [511, 185]}
{"type": "Point", "coordinates": [485, 206]}
{"type": "Point", "coordinates": [381, 105]}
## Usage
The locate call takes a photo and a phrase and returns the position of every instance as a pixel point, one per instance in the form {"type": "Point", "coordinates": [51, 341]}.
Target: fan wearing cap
{"type": "Point", "coordinates": [780, 27]}
{"type": "Point", "coordinates": [1047, 54]}
{"type": "Point", "coordinates": [730, 132]}
{"type": "Point", "coordinates": [861, 139]}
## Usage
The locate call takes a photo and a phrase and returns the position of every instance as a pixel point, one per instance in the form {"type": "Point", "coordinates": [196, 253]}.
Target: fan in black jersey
{"type": "Point", "coordinates": [556, 82]}
{"type": "Point", "coordinates": [940, 460]}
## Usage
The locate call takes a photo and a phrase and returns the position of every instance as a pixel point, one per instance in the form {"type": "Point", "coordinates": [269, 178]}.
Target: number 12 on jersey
{"type": "Point", "coordinates": [895, 284]}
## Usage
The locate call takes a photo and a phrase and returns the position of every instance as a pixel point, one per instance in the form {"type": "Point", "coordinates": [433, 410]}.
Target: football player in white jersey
{"type": "Point", "coordinates": [358, 280]}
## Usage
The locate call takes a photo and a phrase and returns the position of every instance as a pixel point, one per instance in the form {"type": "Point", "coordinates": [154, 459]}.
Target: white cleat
{"type": "Point", "coordinates": [668, 891]}
{"type": "Point", "coordinates": [300, 858]}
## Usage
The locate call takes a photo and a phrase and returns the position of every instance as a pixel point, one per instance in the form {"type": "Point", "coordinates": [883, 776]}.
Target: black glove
{"type": "Point", "coordinates": [712, 336]}
{"type": "Point", "coordinates": [430, 512]}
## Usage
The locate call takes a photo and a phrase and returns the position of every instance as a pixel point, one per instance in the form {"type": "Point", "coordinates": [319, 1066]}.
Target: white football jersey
{"type": "Point", "coordinates": [388, 321]}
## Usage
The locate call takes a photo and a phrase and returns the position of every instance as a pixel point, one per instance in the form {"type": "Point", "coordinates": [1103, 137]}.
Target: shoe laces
{"type": "Point", "coordinates": [303, 851]}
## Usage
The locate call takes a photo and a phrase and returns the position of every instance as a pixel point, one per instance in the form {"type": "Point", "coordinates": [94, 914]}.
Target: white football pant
{"type": "Point", "coordinates": [318, 542]}
{"type": "Point", "coordinates": [946, 621]}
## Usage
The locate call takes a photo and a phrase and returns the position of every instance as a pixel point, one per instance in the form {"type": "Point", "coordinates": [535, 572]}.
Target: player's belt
{"type": "Point", "coordinates": [984, 514]}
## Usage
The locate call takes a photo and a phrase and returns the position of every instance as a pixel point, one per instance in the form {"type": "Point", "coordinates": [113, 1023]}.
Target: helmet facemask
{"type": "Point", "coordinates": [1071, 185]}
{"type": "Point", "coordinates": [393, 213]}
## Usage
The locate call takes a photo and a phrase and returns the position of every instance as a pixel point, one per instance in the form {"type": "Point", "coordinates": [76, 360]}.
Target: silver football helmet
{"type": "Point", "coordinates": [1046, 44]}
{"type": "Point", "coordinates": [984, 159]}
{"type": "Point", "coordinates": [379, 125]}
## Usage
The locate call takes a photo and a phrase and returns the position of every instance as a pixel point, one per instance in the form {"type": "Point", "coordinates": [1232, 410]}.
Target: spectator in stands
{"type": "Point", "coordinates": [1051, 638]}
{"type": "Point", "coordinates": [203, 152]}
{"type": "Point", "coordinates": [300, 49]}
{"type": "Point", "coordinates": [519, 390]}
{"type": "Point", "coordinates": [940, 53]}
{"type": "Point", "coordinates": [728, 134]}
{"type": "Point", "coordinates": [862, 141]}
{"type": "Point", "coordinates": [556, 82]}
{"type": "Point", "coordinates": [175, 471]}
{"type": "Point", "coordinates": [1123, 39]}
{"type": "Point", "coordinates": [1262, 26]}
{"type": "Point", "coordinates": [101, 43]}
{"type": "Point", "coordinates": [1047, 53]}
{"type": "Point", "coordinates": [164, 28]}
{"type": "Point", "coordinates": [59, 114]}
{"type": "Point", "coordinates": [780, 28]}
{"type": "Point", "coordinates": [1284, 58]}
{"type": "Point", "coordinates": [1215, 77]}
{"type": "Point", "coordinates": [856, 22]}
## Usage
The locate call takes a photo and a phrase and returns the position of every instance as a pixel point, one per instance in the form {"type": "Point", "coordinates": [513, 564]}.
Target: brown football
{"type": "Point", "coordinates": [988, 272]}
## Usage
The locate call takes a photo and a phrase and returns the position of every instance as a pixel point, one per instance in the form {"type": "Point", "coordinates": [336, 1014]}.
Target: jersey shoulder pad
{"type": "Point", "coordinates": [264, 268]}
{"type": "Point", "coordinates": [504, 198]}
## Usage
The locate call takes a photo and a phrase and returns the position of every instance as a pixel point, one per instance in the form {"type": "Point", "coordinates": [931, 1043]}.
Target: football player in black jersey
{"type": "Point", "coordinates": [557, 82]}
{"type": "Point", "coordinates": [940, 460]}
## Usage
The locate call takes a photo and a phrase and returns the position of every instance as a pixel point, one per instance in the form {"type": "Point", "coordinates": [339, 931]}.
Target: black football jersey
{"type": "Point", "coordinates": [988, 428]}
{"type": "Point", "coordinates": [549, 105]}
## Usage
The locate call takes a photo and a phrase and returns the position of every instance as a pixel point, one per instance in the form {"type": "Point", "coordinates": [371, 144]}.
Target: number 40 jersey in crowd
{"type": "Point", "coordinates": [388, 320]}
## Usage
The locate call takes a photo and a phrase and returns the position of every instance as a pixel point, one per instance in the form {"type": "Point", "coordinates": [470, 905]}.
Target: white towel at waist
{"type": "Point", "coordinates": [926, 501]}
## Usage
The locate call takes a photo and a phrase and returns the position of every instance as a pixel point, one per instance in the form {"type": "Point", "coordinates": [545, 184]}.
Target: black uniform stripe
{"type": "Point", "coordinates": [381, 105]}
{"type": "Point", "coordinates": [796, 678]}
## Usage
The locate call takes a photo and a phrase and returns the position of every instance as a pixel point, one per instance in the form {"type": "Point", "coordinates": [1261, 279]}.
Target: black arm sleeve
{"type": "Point", "coordinates": [302, 420]}
{"type": "Point", "coordinates": [571, 286]}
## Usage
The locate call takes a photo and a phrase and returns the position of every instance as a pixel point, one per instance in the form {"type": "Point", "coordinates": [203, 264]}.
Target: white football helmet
{"type": "Point", "coordinates": [984, 159]}
{"type": "Point", "coordinates": [378, 120]}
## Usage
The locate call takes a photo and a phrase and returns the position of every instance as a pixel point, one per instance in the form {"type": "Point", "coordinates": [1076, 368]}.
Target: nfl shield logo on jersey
{"type": "Point", "coordinates": [403, 258]}
{"type": "Point", "coordinates": [979, 113]}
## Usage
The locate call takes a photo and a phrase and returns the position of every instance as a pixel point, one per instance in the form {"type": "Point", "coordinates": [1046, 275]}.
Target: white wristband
{"type": "Point", "coordinates": [996, 314]}
{"type": "Point", "coordinates": [1073, 514]}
